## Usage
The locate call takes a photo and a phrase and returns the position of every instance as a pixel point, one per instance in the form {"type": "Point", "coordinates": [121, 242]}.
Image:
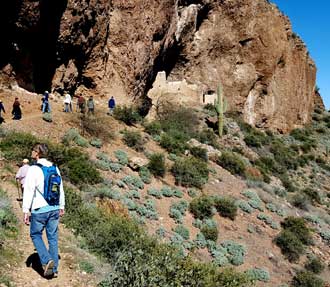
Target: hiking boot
{"type": "Point", "coordinates": [55, 275]}
{"type": "Point", "coordinates": [48, 268]}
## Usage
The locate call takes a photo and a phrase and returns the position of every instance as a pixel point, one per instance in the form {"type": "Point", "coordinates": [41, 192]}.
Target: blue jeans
{"type": "Point", "coordinates": [40, 221]}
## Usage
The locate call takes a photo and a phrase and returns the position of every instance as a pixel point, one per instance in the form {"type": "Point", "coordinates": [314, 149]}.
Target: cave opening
{"type": "Point", "coordinates": [33, 54]}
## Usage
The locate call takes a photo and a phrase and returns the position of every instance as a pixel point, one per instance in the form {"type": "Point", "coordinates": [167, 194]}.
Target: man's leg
{"type": "Point", "coordinates": [52, 236]}
{"type": "Point", "coordinates": [38, 223]}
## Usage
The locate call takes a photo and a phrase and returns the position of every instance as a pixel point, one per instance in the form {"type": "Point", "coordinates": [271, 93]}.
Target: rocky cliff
{"type": "Point", "coordinates": [117, 47]}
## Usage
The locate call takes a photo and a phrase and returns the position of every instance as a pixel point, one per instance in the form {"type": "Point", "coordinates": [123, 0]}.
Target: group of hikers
{"type": "Point", "coordinates": [82, 106]}
{"type": "Point", "coordinates": [41, 192]}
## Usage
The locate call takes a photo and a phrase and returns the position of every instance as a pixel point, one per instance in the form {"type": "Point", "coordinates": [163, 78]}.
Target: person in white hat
{"type": "Point", "coordinates": [21, 174]}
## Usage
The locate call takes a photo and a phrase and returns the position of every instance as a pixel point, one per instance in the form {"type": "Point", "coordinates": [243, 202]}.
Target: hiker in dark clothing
{"type": "Point", "coordinates": [2, 108]}
{"type": "Point", "coordinates": [90, 105]}
{"type": "Point", "coordinates": [45, 103]}
{"type": "Point", "coordinates": [111, 105]}
{"type": "Point", "coordinates": [16, 112]}
{"type": "Point", "coordinates": [81, 104]}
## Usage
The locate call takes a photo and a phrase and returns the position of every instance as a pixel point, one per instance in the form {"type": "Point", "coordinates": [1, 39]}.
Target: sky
{"type": "Point", "coordinates": [311, 21]}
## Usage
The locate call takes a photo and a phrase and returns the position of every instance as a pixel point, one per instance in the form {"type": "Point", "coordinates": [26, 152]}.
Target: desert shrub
{"type": "Point", "coordinates": [183, 231]}
{"type": "Point", "coordinates": [259, 274]}
{"type": "Point", "coordinates": [133, 181]}
{"type": "Point", "coordinates": [315, 265]}
{"type": "Point", "coordinates": [199, 153]}
{"type": "Point", "coordinates": [134, 140]}
{"type": "Point", "coordinates": [16, 146]}
{"type": "Point", "coordinates": [174, 143]}
{"type": "Point", "coordinates": [153, 128]}
{"type": "Point", "coordinates": [128, 115]}
{"type": "Point", "coordinates": [307, 279]}
{"type": "Point", "coordinates": [290, 245]}
{"type": "Point", "coordinates": [210, 232]}
{"type": "Point", "coordinates": [312, 194]}
{"type": "Point", "coordinates": [200, 241]}
{"type": "Point", "coordinates": [207, 136]}
{"type": "Point", "coordinates": [252, 136]}
{"type": "Point", "coordinates": [302, 135]}
{"type": "Point", "coordinates": [167, 191]}
{"type": "Point", "coordinates": [86, 266]}
{"type": "Point", "coordinates": [235, 251]}
{"type": "Point", "coordinates": [201, 207]}
{"type": "Point", "coordinates": [156, 164]}
{"type": "Point", "coordinates": [47, 117]}
{"type": "Point", "coordinates": [94, 126]}
{"type": "Point", "coordinates": [154, 192]}
{"type": "Point", "coordinates": [178, 210]}
{"type": "Point", "coordinates": [232, 162]}
{"type": "Point", "coordinates": [121, 157]}
{"type": "Point", "coordinates": [190, 172]}
{"type": "Point", "coordinates": [145, 174]}
{"type": "Point", "coordinates": [297, 226]}
{"type": "Point", "coordinates": [226, 207]}
{"type": "Point", "coordinates": [245, 206]}
{"type": "Point", "coordinates": [287, 183]}
{"type": "Point", "coordinates": [96, 142]}
{"type": "Point", "coordinates": [300, 201]}
{"type": "Point", "coordinates": [284, 155]}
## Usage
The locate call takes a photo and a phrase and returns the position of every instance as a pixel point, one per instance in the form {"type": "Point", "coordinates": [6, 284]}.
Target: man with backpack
{"type": "Point", "coordinates": [44, 198]}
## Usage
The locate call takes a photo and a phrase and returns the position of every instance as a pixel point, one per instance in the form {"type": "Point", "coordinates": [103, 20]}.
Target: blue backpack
{"type": "Point", "coordinates": [52, 184]}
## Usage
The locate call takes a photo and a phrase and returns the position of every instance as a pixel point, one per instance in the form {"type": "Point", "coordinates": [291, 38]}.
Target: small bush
{"type": "Point", "coordinates": [210, 232]}
{"type": "Point", "coordinates": [153, 128]}
{"type": "Point", "coordinates": [121, 157]}
{"type": "Point", "coordinates": [232, 162]}
{"type": "Point", "coordinates": [175, 144]}
{"type": "Point", "coordinates": [290, 245]}
{"type": "Point", "coordinates": [183, 231]}
{"type": "Point", "coordinates": [134, 140]}
{"type": "Point", "coordinates": [96, 143]}
{"type": "Point", "coordinates": [259, 274]}
{"type": "Point", "coordinates": [208, 137]}
{"type": "Point", "coordinates": [307, 279]}
{"type": "Point", "coordinates": [201, 207]}
{"type": "Point", "coordinates": [199, 153]}
{"type": "Point", "coordinates": [226, 207]}
{"type": "Point", "coordinates": [145, 174]}
{"type": "Point", "coordinates": [47, 117]}
{"type": "Point", "coordinates": [156, 164]}
{"type": "Point", "coordinates": [86, 267]}
{"type": "Point", "coordinates": [128, 115]}
{"type": "Point", "coordinates": [313, 195]}
{"type": "Point", "coordinates": [190, 172]}
{"type": "Point", "coordinates": [297, 226]}
{"type": "Point", "coordinates": [315, 265]}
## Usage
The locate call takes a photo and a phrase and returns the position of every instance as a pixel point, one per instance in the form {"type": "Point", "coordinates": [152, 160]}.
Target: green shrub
{"type": "Point", "coordinates": [156, 164]}
{"type": "Point", "coordinates": [207, 136]}
{"type": "Point", "coordinates": [314, 265]}
{"type": "Point", "coordinates": [210, 232]}
{"type": "Point", "coordinates": [96, 142]}
{"type": "Point", "coordinates": [86, 267]}
{"type": "Point", "coordinates": [290, 245]}
{"type": "Point", "coordinates": [245, 206]}
{"type": "Point", "coordinates": [306, 279]}
{"type": "Point", "coordinates": [259, 274]}
{"type": "Point", "coordinates": [190, 172]}
{"type": "Point", "coordinates": [175, 144]}
{"type": "Point", "coordinates": [284, 155]}
{"type": "Point", "coordinates": [297, 226]}
{"type": "Point", "coordinates": [153, 128]}
{"type": "Point", "coordinates": [121, 157]}
{"type": "Point", "coordinates": [128, 115]}
{"type": "Point", "coordinates": [201, 207]}
{"type": "Point", "coordinates": [232, 162]}
{"type": "Point", "coordinates": [183, 231]}
{"type": "Point", "coordinates": [47, 117]}
{"type": "Point", "coordinates": [133, 181]}
{"type": "Point", "coordinates": [134, 140]}
{"type": "Point", "coordinates": [236, 252]}
{"type": "Point", "coordinates": [312, 194]}
{"type": "Point", "coordinates": [226, 207]}
{"type": "Point", "coordinates": [145, 174]}
{"type": "Point", "coordinates": [155, 192]}
{"type": "Point", "coordinates": [199, 153]}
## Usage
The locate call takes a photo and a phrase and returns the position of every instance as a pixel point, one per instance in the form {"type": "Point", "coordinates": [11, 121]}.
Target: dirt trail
{"type": "Point", "coordinates": [24, 275]}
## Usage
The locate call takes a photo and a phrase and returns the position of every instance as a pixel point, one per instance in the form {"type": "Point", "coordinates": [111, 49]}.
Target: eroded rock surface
{"type": "Point", "coordinates": [117, 48]}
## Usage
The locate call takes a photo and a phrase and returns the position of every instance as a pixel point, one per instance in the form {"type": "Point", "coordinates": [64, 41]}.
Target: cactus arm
{"type": "Point", "coordinates": [220, 107]}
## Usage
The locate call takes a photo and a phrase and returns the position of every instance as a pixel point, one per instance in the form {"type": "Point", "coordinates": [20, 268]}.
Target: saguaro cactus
{"type": "Point", "coordinates": [220, 106]}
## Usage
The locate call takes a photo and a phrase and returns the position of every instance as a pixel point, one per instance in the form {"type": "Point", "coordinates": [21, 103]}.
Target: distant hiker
{"type": "Point", "coordinates": [16, 112]}
{"type": "Point", "coordinates": [2, 108]}
{"type": "Point", "coordinates": [90, 105]}
{"type": "Point", "coordinates": [67, 103]}
{"type": "Point", "coordinates": [44, 198]}
{"type": "Point", "coordinates": [111, 105]}
{"type": "Point", "coordinates": [81, 104]}
{"type": "Point", "coordinates": [45, 103]}
{"type": "Point", "coordinates": [20, 176]}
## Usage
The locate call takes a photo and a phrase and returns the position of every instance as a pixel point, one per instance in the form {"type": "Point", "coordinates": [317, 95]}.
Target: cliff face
{"type": "Point", "coordinates": [117, 47]}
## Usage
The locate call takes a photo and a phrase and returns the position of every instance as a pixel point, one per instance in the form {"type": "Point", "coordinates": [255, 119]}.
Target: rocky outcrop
{"type": "Point", "coordinates": [118, 47]}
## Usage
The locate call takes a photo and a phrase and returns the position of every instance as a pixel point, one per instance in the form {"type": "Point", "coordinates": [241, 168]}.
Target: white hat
{"type": "Point", "coordinates": [25, 160]}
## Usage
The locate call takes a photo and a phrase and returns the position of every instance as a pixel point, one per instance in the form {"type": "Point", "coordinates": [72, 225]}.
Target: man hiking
{"type": "Point", "coordinates": [16, 112]}
{"type": "Point", "coordinates": [90, 105]}
{"type": "Point", "coordinates": [44, 198]}
{"type": "Point", "coordinates": [111, 105]}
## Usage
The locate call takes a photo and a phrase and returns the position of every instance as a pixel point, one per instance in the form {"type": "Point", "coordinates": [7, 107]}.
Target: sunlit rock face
{"type": "Point", "coordinates": [117, 47]}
